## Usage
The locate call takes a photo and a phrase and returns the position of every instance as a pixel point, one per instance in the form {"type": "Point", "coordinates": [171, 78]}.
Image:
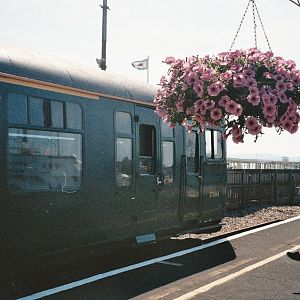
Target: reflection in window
{"type": "Point", "coordinates": [17, 109]}
{"type": "Point", "coordinates": [124, 162]}
{"type": "Point", "coordinates": [74, 116]}
{"type": "Point", "coordinates": [44, 160]}
{"type": "Point", "coordinates": [208, 143]}
{"type": "Point", "coordinates": [123, 122]}
{"type": "Point", "coordinates": [192, 151]}
{"type": "Point", "coordinates": [37, 112]}
{"type": "Point", "coordinates": [166, 131]}
{"type": "Point", "coordinates": [213, 140]}
{"type": "Point", "coordinates": [147, 150]}
{"type": "Point", "coordinates": [57, 114]}
{"type": "Point", "coordinates": [218, 153]}
{"type": "Point", "coordinates": [168, 161]}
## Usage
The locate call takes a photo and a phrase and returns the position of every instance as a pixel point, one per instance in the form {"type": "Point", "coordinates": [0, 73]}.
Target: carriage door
{"type": "Point", "coordinates": [215, 176]}
{"type": "Point", "coordinates": [2, 148]}
{"type": "Point", "coordinates": [146, 172]}
{"type": "Point", "coordinates": [192, 178]}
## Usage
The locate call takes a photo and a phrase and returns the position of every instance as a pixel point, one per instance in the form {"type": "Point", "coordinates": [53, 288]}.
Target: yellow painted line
{"type": "Point", "coordinates": [38, 84]}
{"type": "Point", "coordinates": [63, 89]}
{"type": "Point", "coordinates": [225, 279]}
{"type": "Point", "coordinates": [230, 267]}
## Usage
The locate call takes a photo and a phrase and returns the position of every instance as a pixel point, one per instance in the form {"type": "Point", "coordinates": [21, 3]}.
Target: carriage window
{"type": "Point", "coordinates": [57, 114]}
{"type": "Point", "coordinates": [74, 116]}
{"type": "Point", "coordinates": [213, 140]}
{"type": "Point", "coordinates": [37, 112]}
{"type": "Point", "coordinates": [192, 152]}
{"type": "Point", "coordinates": [218, 153]}
{"type": "Point", "coordinates": [147, 150]}
{"type": "Point", "coordinates": [166, 131]}
{"type": "Point", "coordinates": [168, 161]}
{"type": "Point", "coordinates": [123, 122]}
{"type": "Point", "coordinates": [124, 162]}
{"type": "Point", "coordinates": [17, 109]}
{"type": "Point", "coordinates": [44, 161]}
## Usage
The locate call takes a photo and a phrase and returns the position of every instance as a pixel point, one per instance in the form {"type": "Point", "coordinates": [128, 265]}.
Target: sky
{"type": "Point", "coordinates": [136, 29]}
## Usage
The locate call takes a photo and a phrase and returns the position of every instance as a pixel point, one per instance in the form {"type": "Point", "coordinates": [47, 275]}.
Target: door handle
{"type": "Point", "coordinates": [159, 180]}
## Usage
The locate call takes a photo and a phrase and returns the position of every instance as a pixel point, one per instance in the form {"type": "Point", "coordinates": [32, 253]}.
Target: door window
{"type": "Point", "coordinates": [192, 152]}
{"type": "Point", "coordinates": [124, 162]}
{"type": "Point", "coordinates": [147, 157]}
{"type": "Point", "coordinates": [214, 144]}
{"type": "Point", "coordinates": [124, 143]}
{"type": "Point", "coordinates": [168, 161]}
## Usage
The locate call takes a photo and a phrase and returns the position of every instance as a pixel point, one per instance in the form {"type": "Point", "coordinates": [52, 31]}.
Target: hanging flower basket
{"type": "Point", "coordinates": [242, 91]}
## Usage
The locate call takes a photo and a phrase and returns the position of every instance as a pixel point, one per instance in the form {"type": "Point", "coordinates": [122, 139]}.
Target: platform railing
{"type": "Point", "coordinates": [262, 186]}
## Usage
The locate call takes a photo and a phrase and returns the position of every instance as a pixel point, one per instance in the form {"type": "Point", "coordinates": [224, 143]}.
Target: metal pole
{"type": "Point", "coordinates": [102, 62]}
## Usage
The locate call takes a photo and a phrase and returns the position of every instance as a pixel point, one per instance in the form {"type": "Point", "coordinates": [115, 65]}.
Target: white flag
{"type": "Point", "coordinates": [141, 64]}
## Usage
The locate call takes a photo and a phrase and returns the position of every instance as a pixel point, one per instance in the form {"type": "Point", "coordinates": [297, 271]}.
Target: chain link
{"type": "Point", "coordinates": [238, 30]}
{"type": "Point", "coordinates": [254, 23]}
{"type": "Point", "coordinates": [262, 25]}
{"type": "Point", "coordinates": [254, 8]}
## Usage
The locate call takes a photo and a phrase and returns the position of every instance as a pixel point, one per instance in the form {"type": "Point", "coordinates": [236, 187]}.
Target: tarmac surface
{"type": "Point", "coordinates": [251, 265]}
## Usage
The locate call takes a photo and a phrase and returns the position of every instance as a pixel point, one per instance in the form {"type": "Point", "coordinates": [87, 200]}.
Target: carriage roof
{"type": "Point", "coordinates": [26, 64]}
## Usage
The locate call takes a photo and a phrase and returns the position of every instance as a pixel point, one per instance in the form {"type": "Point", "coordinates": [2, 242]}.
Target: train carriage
{"type": "Point", "coordinates": [84, 159]}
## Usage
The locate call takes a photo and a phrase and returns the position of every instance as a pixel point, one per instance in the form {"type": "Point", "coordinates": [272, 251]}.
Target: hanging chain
{"type": "Point", "coordinates": [254, 8]}
{"type": "Point", "coordinates": [262, 25]}
{"type": "Point", "coordinates": [254, 23]}
{"type": "Point", "coordinates": [238, 30]}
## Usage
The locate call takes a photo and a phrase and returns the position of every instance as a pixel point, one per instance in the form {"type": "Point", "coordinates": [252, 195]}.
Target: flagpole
{"type": "Point", "coordinates": [148, 70]}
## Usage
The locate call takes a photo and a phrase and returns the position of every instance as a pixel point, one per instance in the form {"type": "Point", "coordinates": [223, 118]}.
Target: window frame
{"type": "Point", "coordinates": [124, 136]}
{"type": "Point", "coordinates": [168, 139]}
{"type": "Point", "coordinates": [153, 149]}
{"type": "Point", "coordinates": [212, 144]}
{"type": "Point", "coordinates": [47, 127]}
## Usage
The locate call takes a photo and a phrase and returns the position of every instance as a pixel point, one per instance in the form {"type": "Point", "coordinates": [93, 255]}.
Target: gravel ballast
{"type": "Point", "coordinates": [250, 217]}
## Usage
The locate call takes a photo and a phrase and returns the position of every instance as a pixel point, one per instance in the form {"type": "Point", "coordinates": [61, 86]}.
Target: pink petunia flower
{"type": "Point", "coordinates": [190, 111]}
{"type": "Point", "coordinates": [180, 106]}
{"type": "Point", "coordinates": [223, 100]}
{"type": "Point", "coordinates": [249, 72]}
{"type": "Point", "coordinates": [169, 60]}
{"type": "Point", "coordinates": [287, 125]}
{"type": "Point", "coordinates": [282, 97]}
{"type": "Point", "coordinates": [294, 129]}
{"type": "Point", "coordinates": [230, 106]}
{"type": "Point", "coordinates": [251, 123]}
{"type": "Point", "coordinates": [216, 114]}
{"type": "Point", "coordinates": [250, 82]}
{"type": "Point", "coordinates": [238, 110]}
{"type": "Point", "coordinates": [273, 99]}
{"type": "Point", "coordinates": [281, 86]}
{"type": "Point", "coordinates": [198, 88]}
{"type": "Point", "coordinates": [215, 88]}
{"type": "Point", "coordinates": [253, 98]}
{"type": "Point", "coordinates": [270, 120]}
{"type": "Point", "coordinates": [237, 135]}
{"type": "Point", "coordinates": [209, 104]}
{"type": "Point", "coordinates": [269, 110]}
{"type": "Point", "coordinates": [255, 130]}
{"type": "Point", "coordinates": [238, 80]}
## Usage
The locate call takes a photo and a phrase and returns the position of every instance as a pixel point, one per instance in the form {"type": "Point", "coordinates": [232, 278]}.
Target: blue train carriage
{"type": "Point", "coordinates": [84, 159]}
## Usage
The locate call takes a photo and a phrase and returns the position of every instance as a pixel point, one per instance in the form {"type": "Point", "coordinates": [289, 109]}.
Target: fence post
{"type": "Point", "coordinates": [243, 188]}
{"type": "Point", "coordinates": [271, 189]}
{"type": "Point", "coordinates": [275, 196]}
{"type": "Point", "coordinates": [291, 188]}
{"type": "Point", "coordinates": [259, 188]}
